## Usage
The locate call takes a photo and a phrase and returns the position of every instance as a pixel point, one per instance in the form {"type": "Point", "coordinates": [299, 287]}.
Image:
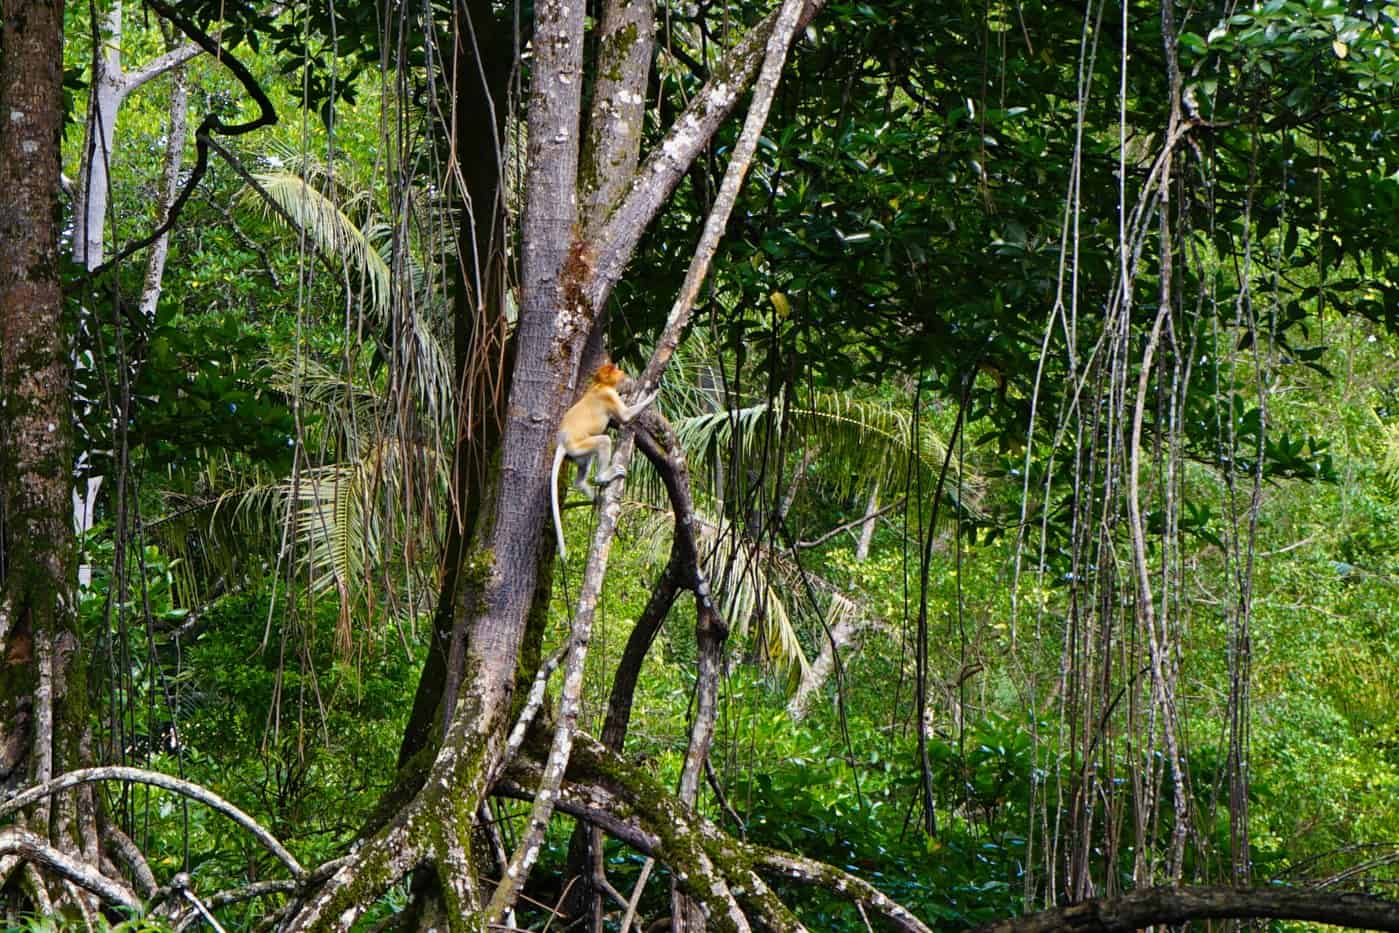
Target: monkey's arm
{"type": "Point", "coordinates": [628, 413]}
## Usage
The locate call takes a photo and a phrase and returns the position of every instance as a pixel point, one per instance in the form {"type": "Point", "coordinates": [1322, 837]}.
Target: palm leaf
{"type": "Point", "coordinates": [330, 230]}
{"type": "Point", "coordinates": [747, 593]}
{"type": "Point", "coordinates": [336, 235]}
{"type": "Point", "coordinates": [864, 442]}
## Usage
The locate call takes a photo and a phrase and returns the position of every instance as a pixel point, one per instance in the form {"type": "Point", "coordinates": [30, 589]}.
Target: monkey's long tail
{"type": "Point", "coordinates": [554, 498]}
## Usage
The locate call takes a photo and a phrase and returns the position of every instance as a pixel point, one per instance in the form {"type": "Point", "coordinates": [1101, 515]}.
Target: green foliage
{"type": "Point", "coordinates": [190, 403]}
{"type": "Point", "coordinates": [856, 813]}
{"type": "Point", "coordinates": [305, 750]}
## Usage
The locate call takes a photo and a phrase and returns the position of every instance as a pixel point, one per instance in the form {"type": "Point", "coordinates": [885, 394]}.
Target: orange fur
{"type": "Point", "coordinates": [583, 436]}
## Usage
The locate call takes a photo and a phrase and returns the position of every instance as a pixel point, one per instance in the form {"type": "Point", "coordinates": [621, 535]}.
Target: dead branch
{"type": "Point", "coordinates": [845, 526]}
{"type": "Point", "coordinates": [1164, 905]}
{"type": "Point", "coordinates": [668, 162]}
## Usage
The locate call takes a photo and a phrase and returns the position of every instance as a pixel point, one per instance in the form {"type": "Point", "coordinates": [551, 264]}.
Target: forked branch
{"type": "Point", "coordinates": [632, 807]}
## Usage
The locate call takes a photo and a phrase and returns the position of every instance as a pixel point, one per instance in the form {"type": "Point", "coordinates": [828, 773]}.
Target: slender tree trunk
{"type": "Point", "coordinates": [110, 87]}
{"type": "Point", "coordinates": [847, 628]}
{"type": "Point", "coordinates": [94, 185]}
{"type": "Point", "coordinates": [169, 185]}
{"type": "Point", "coordinates": [477, 83]}
{"type": "Point", "coordinates": [862, 548]}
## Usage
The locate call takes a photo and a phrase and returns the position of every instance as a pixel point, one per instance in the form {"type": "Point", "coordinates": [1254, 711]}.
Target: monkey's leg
{"type": "Point", "coordinates": [583, 461]}
{"type": "Point", "coordinates": [606, 473]}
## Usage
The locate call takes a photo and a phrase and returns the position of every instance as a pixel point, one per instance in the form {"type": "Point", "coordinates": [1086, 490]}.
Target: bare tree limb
{"type": "Point", "coordinates": [612, 141]}
{"type": "Point", "coordinates": [164, 782]}
{"type": "Point", "coordinates": [862, 520]}
{"type": "Point", "coordinates": [784, 26]}
{"type": "Point", "coordinates": [169, 186]}
{"type": "Point", "coordinates": [1164, 905]}
{"type": "Point", "coordinates": [636, 895]}
{"type": "Point", "coordinates": [161, 64]}
{"type": "Point", "coordinates": [532, 704]}
{"type": "Point", "coordinates": [37, 851]}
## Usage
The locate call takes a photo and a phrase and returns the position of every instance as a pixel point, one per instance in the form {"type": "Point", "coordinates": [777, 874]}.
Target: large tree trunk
{"type": "Point", "coordinates": [498, 608]}
{"type": "Point", "coordinates": [476, 82]}
{"type": "Point", "coordinates": [43, 691]}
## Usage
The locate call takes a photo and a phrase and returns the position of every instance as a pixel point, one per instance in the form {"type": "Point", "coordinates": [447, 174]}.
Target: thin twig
{"type": "Point", "coordinates": [817, 542]}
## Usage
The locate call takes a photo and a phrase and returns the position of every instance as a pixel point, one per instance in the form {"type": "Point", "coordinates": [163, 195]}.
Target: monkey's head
{"type": "Point", "coordinates": [610, 375]}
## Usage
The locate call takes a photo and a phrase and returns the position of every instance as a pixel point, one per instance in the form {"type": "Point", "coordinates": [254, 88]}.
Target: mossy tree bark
{"type": "Point", "coordinates": [42, 677]}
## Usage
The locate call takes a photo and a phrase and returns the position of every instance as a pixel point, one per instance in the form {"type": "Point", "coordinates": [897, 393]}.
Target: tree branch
{"type": "Point", "coordinates": [612, 141]}
{"type": "Point", "coordinates": [663, 168]}
{"type": "Point", "coordinates": [212, 123]}
{"type": "Point", "coordinates": [656, 824]}
{"type": "Point", "coordinates": [532, 704]}
{"type": "Point", "coordinates": [784, 27]}
{"type": "Point", "coordinates": [161, 64]}
{"type": "Point", "coordinates": [34, 849]}
{"type": "Point", "coordinates": [1163, 905]}
{"type": "Point", "coordinates": [164, 782]}
{"type": "Point", "coordinates": [857, 890]}
{"type": "Point", "coordinates": [869, 516]}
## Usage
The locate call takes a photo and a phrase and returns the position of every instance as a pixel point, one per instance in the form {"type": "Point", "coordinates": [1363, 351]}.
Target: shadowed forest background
{"type": "Point", "coordinates": [1015, 526]}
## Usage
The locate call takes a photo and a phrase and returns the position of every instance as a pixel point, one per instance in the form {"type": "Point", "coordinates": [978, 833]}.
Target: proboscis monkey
{"type": "Point", "coordinates": [583, 438]}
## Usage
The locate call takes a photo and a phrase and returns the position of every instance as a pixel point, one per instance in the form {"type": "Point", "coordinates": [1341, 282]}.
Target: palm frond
{"type": "Point", "coordinates": [330, 230]}
{"type": "Point", "coordinates": [1389, 454]}
{"type": "Point", "coordinates": [365, 250]}
{"type": "Point", "coordinates": [864, 442]}
{"type": "Point", "coordinates": [343, 403]}
{"type": "Point", "coordinates": [747, 594]}
{"type": "Point", "coordinates": [342, 528]}
{"type": "Point", "coordinates": [333, 520]}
